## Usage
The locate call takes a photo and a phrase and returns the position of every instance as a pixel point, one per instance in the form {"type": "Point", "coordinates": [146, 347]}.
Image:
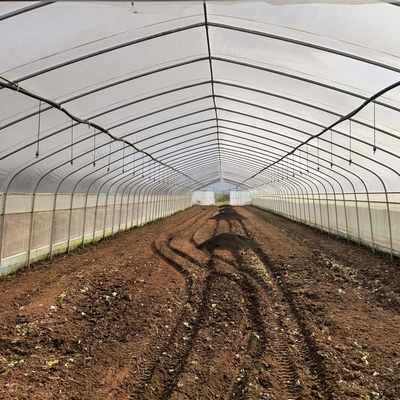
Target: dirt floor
{"type": "Point", "coordinates": [211, 303]}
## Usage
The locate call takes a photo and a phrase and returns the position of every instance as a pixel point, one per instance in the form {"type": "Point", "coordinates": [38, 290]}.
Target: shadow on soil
{"type": "Point", "coordinates": [228, 241]}
{"type": "Point", "coordinates": [227, 213]}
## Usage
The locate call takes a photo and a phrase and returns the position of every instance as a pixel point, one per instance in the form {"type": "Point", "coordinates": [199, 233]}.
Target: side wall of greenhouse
{"type": "Point", "coordinates": [370, 219]}
{"type": "Point", "coordinates": [35, 227]}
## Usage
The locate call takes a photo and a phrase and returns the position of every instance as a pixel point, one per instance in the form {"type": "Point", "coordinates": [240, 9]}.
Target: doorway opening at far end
{"type": "Point", "coordinates": [221, 194]}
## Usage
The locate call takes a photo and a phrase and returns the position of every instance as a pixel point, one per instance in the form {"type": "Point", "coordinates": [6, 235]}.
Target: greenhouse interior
{"type": "Point", "coordinates": [200, 199]}
{"type": "Point", "coordinates": [115, 114]}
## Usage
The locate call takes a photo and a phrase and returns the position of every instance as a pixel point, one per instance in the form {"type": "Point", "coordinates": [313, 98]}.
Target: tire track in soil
{"type": "Point", "coordinates": [258, 340]}
{"type": "Point", "coordinates": [143, 364]}
{"type": "Point", "coordinates": [307, 347]}
{"type": "Point", "coordinates": [268, 346]}
{"type": "Point", "coordinates": [160, 343]}
{"type": "Point", "coordinates": [254, 341]}
{"type": "Point", "coordinates": [285, 379]}
{"type": "Point", "coordinates": [166, 370]}
{"type": "Point", "coordinates": [177, 367]}
{"type": "Point", "coordinates": [203, 327]}
{"type": "Point", "coordinates": [289, 376]}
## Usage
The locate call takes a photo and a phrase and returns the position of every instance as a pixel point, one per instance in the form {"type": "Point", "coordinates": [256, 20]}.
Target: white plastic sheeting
{"type": "Point", "coordinates": [286, 99]}
{"type": "Point", "coordinates": [204, 197]}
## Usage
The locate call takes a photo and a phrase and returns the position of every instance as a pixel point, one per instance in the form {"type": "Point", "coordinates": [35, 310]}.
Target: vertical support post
{"type": "Point", "coordinates": [53, 221]}
{"type": "Point", "coordinates": [113, 213]}
{"type": "Point", "coordinates": [327, 210]}
{"type": "Point", "coordinates": [3, 224]}
{"type": "Point", "coordinates": [389, 224]}
{"type": "Point", "coordinates": [31, 228]}
{"type": "Point", "coordinates": [105, 216]}
{"type": "Point", "coordinates": [315, 211]}
{"type": "Point", "coordinates": [358, 218]}
{"type": "Point", "coordinates": [120, 210]}
{"type": "Point", "coordinates": [127, 212]}
{"type": "Point", "coordinates": [336, 211]}
{"type": "Point", "coordinates": [84, 219]}
{"type": "Point", "coordinates": [370, 222]}
{"type": "Point", "coordinates": [345, 217]}
{"type": "Point", "coordinates": [95, 216]}
{"type": "Point", "coordinates": [70, 223]}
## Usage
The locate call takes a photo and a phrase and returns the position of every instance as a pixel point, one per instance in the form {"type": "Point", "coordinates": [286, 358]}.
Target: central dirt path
{"type": "Point", "coordinates": [228, 303]}
{"type": "Point", "coordinates": [239, 337]}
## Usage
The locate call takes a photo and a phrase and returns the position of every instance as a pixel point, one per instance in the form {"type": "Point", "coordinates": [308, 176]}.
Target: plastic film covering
{"type": "Point", "coordinates": [113, 114]}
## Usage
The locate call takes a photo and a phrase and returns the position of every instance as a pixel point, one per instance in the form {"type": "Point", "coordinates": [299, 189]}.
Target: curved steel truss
{"type": "Point", "coordinates": [173, 96]}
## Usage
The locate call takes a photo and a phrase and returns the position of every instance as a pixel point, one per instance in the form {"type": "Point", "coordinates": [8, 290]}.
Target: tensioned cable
{"type": "Point", "coordinates": [374, 147]}
{"type": "Point", "coordinates": [369, 159]}
{"type": "Point", "coordinates": [197, 84]}
{"type": "Point", "coordinates": [340, 120]}
{"type": "Point", "coordinates": [38, 134]}
{"type": "Point", "coordinates": [16, 87]}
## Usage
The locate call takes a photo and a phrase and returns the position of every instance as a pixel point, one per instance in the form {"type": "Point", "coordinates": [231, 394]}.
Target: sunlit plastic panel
{"type": "Point", "coordinates": [65, 31]}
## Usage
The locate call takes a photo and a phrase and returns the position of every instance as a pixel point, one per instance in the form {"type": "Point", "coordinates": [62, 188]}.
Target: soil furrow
{"type": "Point", "coordinates": [270, 344]}
{"type": "Point", "coordinates": [159, 248]}
{"type": "Point", "coordinates": [256, 340]}
{"type": "Point", "coordinates": [305, 345]}
{"type": "Point", "coordinates": [211, 303]}
{"type": "Point", "coordinates": [281, 344]}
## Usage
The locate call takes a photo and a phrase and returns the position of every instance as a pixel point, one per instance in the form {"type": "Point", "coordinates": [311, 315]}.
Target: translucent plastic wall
{"type": "Point", "coordinates": [115, 113]}
{"type": "Point", "coordinates": [39, 226]}
{"type": "Point", "coordinates": [239, 197]}
{"type": "Point", "coordinates": [204, 197]}
{"type": "Point", "coordinates": [369, 219]}
{"type": "Point", "coordinates": [236, 197]}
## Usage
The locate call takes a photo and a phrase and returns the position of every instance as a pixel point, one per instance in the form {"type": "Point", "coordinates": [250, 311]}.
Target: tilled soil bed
{"type": "Point", "coordinates": [211, 303]}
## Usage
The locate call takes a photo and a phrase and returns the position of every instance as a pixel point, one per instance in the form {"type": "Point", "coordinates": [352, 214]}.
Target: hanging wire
{"type": "Point", "coordinates": [293, 163]}
{"type": "Point", "coordinates": [331, 150]}
{"type": "Point", "coordinates": [38, 133]}
{"type": "Point", "coordinates": [374, 148]}
{"type": "Point", "coordinates": [109, 157]}
{"type": "Point", "coordinates": [123, 158]}
{"type": "Point", "coordinates": [72, 142]}
{"type": "Point", "coordinates": [308, 171]}
{"type": "Point", "coordinates": [287, 168]}
{"type": "Point", "coordinates": [94, 147]}
{"type": "Point", "coordinates": [350, 161]}
{"type": "Point", "coordinates": [318, 153]}
{"type": "Point", "coordinates": [133, 156]}
{"type": "Point", "coordinates": [301, 170]}
{"type": "Point", "coordinates": [278, 175]}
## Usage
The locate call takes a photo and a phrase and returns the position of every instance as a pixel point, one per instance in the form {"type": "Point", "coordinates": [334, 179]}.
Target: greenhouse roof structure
{"type": "Point", "coordinates": [292, 98]}
{"type": "Point", "coordinates": [193, 92]}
